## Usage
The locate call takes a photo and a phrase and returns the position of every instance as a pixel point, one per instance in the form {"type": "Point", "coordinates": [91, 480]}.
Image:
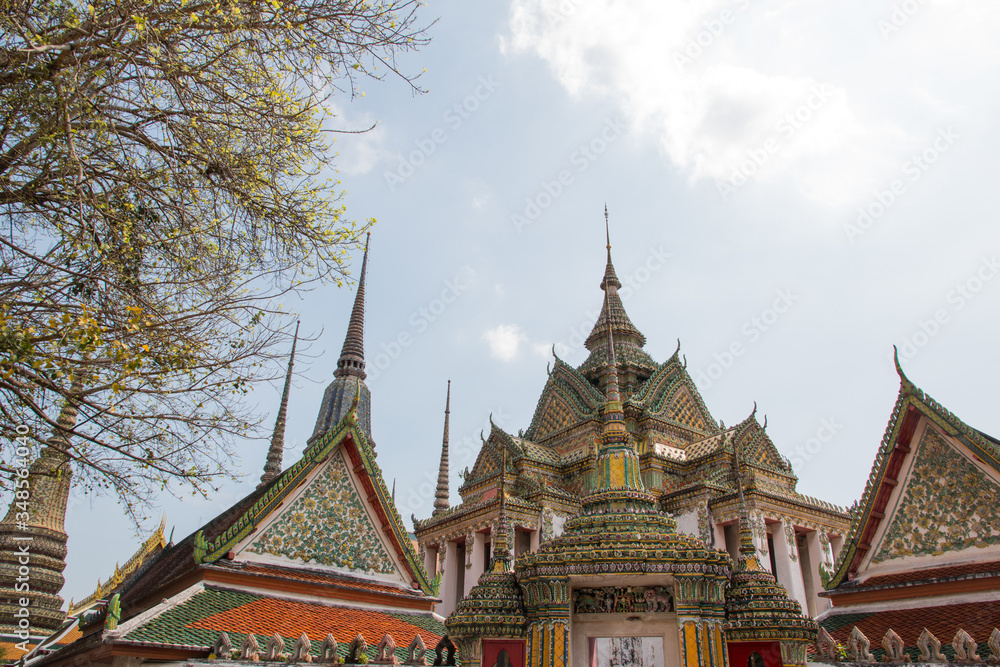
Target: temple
{"type": "Point", "coordinates": [625, 526]}
{"type": "Point", "coordinates": [681, 454]}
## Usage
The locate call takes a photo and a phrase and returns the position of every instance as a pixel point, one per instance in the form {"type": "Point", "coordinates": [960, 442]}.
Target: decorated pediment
{"type": "Point", "coordinates": [488, 462]}
{"type": "Point", "coordinates": [671, 395]}
{"type": "Point", "coordinates": [328, 510]}
{"type": "Point", "coordinates": [947, 504]}
{"type": "Point", "coordinates": [301, 531]}
{"type": "Point", "coordinates": [567, 399]}
{"type": "Point", "coordinates": [935, 480]}
{"type": "Point", "coordinates": [757, 448]}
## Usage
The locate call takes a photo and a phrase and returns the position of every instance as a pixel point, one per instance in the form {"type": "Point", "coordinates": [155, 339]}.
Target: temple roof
{"type": "Point", "coordinates": [911, 404]}
{"type": "Point", "coordinates": [152, 546]}
{"type": "Point", "coordinates": [190, 622]}
{"type": "Point", "coordinates": [216, 539]}
{"type": "Point", "coordinates": [942, 620]}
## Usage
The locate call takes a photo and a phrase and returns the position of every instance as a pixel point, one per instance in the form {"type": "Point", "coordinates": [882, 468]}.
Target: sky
{"type": "Point", "coordinates": [793, 188]}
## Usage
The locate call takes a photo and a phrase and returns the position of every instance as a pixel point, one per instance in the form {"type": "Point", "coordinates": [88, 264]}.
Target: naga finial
{"type": "Point", "coordinates": [899, 369]}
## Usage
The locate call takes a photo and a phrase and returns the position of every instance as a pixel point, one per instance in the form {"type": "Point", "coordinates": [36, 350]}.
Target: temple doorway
{"type": "Point", "coordinates": [626, 651]}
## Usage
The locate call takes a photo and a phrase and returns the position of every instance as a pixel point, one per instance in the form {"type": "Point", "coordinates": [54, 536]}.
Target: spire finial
{"type": "Point", "coordinates": [272, 467]}
{"type": "Point", "coordinates": [352, 355]}
{"type": "Point", "coordinates": [442, 492]}
{"type": "Point", "coordinates": [610, 278]}
{"type": "Point", "coordinates": [607, 228]}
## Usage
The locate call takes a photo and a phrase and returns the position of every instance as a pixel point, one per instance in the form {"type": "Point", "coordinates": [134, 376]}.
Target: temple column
{"type": "Point", "coordinates": [449, 579]}
{"type": "Point", "coordinates": [817, 555]}
{"type": "Point", "coordinates": [759, 526]}
{"type": "Point", "coordinates": [475, 549]}
{"type": "Point", "coordinates": [836, 543]}
{"type": "Point", "coordinates": [786, 561]}
{"type": "Point", "coordinates": [431, 560]}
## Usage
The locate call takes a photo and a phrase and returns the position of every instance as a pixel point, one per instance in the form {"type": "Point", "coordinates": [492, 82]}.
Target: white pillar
{"type": "Point", "coordinates": [449, 579]}
{"type": "Point", "coordinates": [759, 532]}
{"type": "Point", "coordinates": [786, 561]}
{"type": "Point", "coordinates": [476, 543]}
{"type": "Point", "coordinates": [431, 560]}
{"type": "Point", "coordinates": [836, 543]}
{"type": "Point", "coordinates": [817, 556]}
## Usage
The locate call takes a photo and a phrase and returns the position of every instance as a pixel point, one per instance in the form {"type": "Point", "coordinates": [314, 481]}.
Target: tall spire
{"type": "Point", "coordinates": [348, 385]}
{"type": "Point", "coordinates": [352, 355]}
{"type": "Point", "coordinates": [272, 467]}
{"type": "Point", "coordinates": [442, 492]}
{"type": "Point", "coordinates": [637, 364]}
{"type": "Point", "coordinates": [44, 531]}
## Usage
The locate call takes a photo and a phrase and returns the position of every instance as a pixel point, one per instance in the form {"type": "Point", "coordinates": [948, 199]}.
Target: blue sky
{"type": "Point", "coordinates": [793, 188]}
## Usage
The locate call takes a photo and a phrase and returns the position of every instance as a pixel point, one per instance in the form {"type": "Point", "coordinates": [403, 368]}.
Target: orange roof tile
{"type": "Point", "coordinates": [978, 619]}
{"type": "Point", "coordinates": [931, 573]}
{"type": "Point", "coordinates": [267, 616]}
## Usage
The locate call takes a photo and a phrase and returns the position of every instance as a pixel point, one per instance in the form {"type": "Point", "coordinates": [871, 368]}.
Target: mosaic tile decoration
{"type": "Point", "coordinates": [949, 505]}
{"type": "Point", "coordinates": [304, 532]}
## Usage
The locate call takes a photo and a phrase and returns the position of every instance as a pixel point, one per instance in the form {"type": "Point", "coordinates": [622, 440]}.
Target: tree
{"type": "Point", "coordinates": [160, 176]}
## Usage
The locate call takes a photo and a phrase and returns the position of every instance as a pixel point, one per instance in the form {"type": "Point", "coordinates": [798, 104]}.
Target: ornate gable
{"type": "Point", "coordinates": [338, 467]}
{"type": "Point", "coordinates": [948, 504]}
{"type": "Point", "coordinates": [672, 395]}
{"type": "Point", "coordinates": [301, 532]}
{"type": "Point", "coordinates": [757, 448]}
{"type": "Point", "coordinates": [488, 462]}
{"type": "Point", "coordinates": [912, 404]}
{"type": "Point", "coordinates": [568, 398]}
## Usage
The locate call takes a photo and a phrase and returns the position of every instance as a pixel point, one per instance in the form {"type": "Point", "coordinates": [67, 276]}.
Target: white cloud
{"type": "Point", "coordinates": [505, 341]}
{"type": "Point", "coordinates": [715, 82]}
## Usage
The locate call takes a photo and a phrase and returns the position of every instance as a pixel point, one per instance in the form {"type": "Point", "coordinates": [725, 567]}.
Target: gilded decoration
{"type": "Point", "coordinates": [948, 505]}
{"type": "Point", "coordinates": [303, 533]}
{"type": "Point", "coordinates": [622, 599]}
